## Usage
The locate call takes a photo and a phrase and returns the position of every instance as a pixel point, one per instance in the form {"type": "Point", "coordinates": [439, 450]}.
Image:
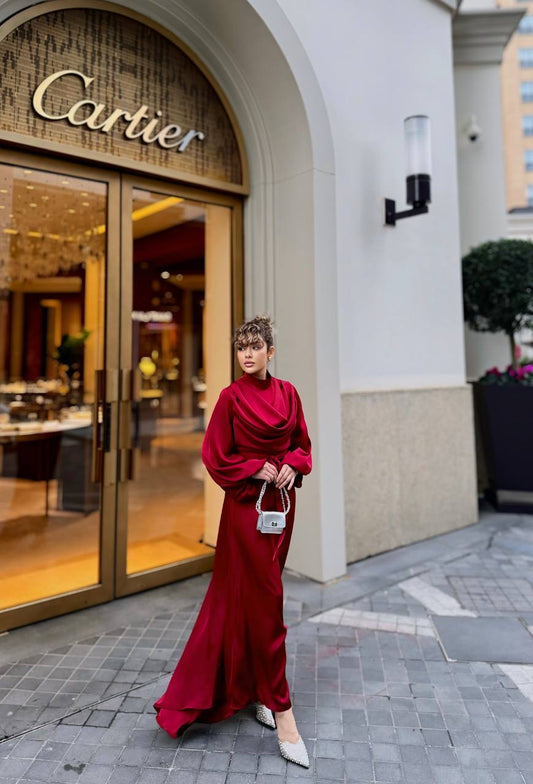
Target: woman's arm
{"type": "Point", "coordinates": [225, 465]}
{"type": "Point", "coordinates": [299, 454]}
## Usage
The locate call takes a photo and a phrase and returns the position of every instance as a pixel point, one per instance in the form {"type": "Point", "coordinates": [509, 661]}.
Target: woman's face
{"type": "Point", "coordinates": [253, 357]}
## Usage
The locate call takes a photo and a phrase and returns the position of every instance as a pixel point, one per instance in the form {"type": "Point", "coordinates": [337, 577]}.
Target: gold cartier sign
{"type": "Point", "coordinates": [99, 119]}
{"type": "Point", "coordinates": [86, 82]}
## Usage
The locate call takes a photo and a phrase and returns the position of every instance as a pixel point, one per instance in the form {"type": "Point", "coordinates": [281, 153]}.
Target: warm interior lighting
{"type": "Point", "coordinates": [143, 212]}
{"type": "Point", "coordinates": [10, 231]}
{"type": "Point", "coordinates": [35, 234]}
{"type": "Point", "coordinates": [153, 209]}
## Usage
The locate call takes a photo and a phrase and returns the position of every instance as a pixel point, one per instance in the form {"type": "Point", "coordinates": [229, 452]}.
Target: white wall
{"type": "Point", "coordinates": [481, 178]}
{"type": "Point", "coordinates": [400, 307]}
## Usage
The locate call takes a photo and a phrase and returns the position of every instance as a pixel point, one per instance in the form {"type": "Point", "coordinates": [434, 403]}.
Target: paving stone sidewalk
{"type": "Point", "coordinates": [377, 694]}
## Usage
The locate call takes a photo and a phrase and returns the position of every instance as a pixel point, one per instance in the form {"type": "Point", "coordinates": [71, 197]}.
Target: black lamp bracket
{"type": "Point", "coordinates": [391, 216]}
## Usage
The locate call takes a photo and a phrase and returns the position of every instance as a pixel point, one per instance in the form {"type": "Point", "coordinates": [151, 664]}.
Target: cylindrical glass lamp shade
{"type": "Point", "coordinates": [418, 154]}
{"type": "Point", "coordinates": [417, 144]}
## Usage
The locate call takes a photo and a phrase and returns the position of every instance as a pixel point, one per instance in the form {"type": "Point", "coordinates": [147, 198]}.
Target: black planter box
{"type": "Point", "coordinates": [505, 421]}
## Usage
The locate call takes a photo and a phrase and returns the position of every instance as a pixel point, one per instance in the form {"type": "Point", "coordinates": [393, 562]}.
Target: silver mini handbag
{"type": "Point", "coordinates": [272, 522]}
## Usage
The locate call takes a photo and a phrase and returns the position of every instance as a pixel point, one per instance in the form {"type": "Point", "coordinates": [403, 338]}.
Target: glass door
{"type": "Point", "coordinates": [58, 390]}
{"type": "Point", "coordinates": [178, 298]}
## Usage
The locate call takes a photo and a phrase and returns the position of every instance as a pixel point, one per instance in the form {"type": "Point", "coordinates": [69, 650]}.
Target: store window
{"type": "Point", "coordinates": [179, 352]}
{"type": "Point", "coordinates": [525, 57]}
{"type": "Point", "coordinates": [52, 271]}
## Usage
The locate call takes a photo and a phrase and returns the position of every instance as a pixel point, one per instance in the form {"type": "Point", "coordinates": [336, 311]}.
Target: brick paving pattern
{"type": "Point", "coordinates": [374, 696]}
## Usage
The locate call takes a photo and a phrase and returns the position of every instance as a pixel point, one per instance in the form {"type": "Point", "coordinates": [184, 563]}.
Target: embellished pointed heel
{"type": "Point", "coordinates": [265, 716]}
{"type": "Point", "coordinates": [294, 752]}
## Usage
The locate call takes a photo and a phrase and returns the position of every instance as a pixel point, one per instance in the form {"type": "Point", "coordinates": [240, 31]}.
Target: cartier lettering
{"type": "Point", "coordinates": [140, 124]}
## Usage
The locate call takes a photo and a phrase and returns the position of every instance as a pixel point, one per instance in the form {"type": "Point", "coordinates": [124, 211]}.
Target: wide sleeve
{"type": "Point", "coordinates": [225, 465]}
{"type": "Point", "coordinates": [299, 454]}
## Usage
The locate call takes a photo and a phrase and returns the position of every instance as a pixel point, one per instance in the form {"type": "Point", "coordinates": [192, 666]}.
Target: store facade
{"type": "Point", "coordinates": [121, 277]}
{"type": "Point", "coordinates": [190, 164]}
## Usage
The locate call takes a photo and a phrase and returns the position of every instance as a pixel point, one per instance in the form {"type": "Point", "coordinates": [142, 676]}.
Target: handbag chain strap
{"type": "Point", "coordinates": [285, 500]}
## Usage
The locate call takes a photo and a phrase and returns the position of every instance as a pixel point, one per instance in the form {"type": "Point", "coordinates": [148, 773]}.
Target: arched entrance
{"type": "Point", "coordinates": [120, 278]}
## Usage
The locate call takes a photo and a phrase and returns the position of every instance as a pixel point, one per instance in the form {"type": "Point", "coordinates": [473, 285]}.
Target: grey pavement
{"type": "Point", "coordinates": [416, 667]}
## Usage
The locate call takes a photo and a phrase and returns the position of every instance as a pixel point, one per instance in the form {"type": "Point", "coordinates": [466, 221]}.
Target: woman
{"type": "Point", "coordinates": [236, 652]}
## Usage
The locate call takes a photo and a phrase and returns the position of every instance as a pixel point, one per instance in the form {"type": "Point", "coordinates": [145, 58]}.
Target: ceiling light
{"type": "Point", "coordinates": [71, 211]}
{"type": "Point", "coordinates": [32, 204]}
{"type": "Point", "coordinates": [64, 182]}
{"type": "Point", "coordinates": [28, 171]}
{"type": "Point", "coordinates": [10, 231]}
{"type": "Point", "coordinates": [34, 234]}
{"type": "Point", "coordinates": [3, 190]}
{"type": "Point", "coordinates": [85, 204]}
{"type": "Point", "coordinates": [30, 187]}
{"type": "Point", "coordinates": [165, 275]}
{"type": "Point", "coordinates": [153, 209]}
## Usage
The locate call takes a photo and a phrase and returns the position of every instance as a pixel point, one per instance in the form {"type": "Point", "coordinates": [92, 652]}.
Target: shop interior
{"type": "Point", "coordinates": [53, 269]}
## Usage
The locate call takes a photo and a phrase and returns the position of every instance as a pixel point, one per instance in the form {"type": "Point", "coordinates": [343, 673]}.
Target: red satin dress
{"type": "Point", "coordinates": [235, 654]}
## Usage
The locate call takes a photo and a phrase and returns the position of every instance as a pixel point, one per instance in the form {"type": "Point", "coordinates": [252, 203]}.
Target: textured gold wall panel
{"type": "Point", "coordinates": [132, 65]}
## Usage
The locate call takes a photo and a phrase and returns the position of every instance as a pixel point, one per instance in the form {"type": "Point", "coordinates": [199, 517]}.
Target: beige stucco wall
{"type": "Point", "coordinates": [409, 466]}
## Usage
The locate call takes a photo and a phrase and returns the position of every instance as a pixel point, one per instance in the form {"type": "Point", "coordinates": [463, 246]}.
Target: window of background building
{"type": "Point", "coordinates": [527, 125]}
{"type": "Point", "coordinates": [529, 195]}
{"type": "Point", "coordinates": [526, 24]}
{"type": "Point", "coordinates": [528, 160]}
{"type": "Point", "coordinates": [526, 91]}
{"type": "Point", "coordinates": [525, 57]}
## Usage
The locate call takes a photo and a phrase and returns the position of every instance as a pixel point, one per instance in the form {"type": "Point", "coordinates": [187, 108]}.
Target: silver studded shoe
{"type": "Point", "coordinates": [265, 716]}
{"type": "Point", "coordinates": [294, 752]}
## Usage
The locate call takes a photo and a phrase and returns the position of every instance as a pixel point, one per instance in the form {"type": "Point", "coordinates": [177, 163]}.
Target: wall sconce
{"type": "Point", "coordinates": [418, 182]}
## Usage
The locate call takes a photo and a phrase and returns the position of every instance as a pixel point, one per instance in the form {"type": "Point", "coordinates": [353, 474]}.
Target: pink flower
{"type": "Point", "coordinates": [528, 368]}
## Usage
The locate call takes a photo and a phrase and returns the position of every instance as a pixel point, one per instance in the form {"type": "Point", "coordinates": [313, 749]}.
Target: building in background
{"type": "Point", "coordinates": [517, 104]}
{"type": "Point", "coordinates": [143, 243]}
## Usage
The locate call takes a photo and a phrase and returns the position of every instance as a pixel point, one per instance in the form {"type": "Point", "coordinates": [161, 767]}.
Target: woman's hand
{"type": "Point", "coordinates": [286, 476]}
{"type": "Point", "coordinates": [268, 473]}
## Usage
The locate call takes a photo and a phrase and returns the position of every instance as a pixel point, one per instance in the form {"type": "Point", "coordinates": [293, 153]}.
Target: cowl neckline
{"type": "Point", "coordinates": [264, 407]}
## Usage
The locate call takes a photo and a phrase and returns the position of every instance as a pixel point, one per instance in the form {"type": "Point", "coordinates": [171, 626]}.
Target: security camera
{"type": "Point", "coordinates": [472, 129]}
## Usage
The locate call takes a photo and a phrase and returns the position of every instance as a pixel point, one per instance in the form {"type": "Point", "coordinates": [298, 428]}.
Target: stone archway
{"type": "Point", "coordinates": [290, 251]}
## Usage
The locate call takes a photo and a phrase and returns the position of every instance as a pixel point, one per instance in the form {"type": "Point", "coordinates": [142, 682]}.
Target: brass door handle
{"type": "Point", "coordinates": [105, 395]}
{"type": "Point", "coordinates": [129, 424]}
{"type": "Point", "coordinates": [97, 472]}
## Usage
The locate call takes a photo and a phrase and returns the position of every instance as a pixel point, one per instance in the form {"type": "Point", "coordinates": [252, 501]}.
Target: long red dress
{"type": "Point", "coordinates": [235, 654]}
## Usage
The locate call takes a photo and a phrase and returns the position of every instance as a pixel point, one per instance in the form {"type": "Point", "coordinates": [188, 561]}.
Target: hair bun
{"type": "Point", "coordinates": [259, 326]}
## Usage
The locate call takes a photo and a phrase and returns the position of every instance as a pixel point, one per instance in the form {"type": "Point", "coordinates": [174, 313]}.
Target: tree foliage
{"type": "Point", "coordinates": [498, 286]}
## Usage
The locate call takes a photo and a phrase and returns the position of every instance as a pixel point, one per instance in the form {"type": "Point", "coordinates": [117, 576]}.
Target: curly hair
{"type": "Point", "coordinates": [260, 327]}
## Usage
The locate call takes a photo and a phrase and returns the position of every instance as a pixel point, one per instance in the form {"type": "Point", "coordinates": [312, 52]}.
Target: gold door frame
{"type": "Point", "coordinates": [103, 591]}
{"type": "Point", "coordinates": [126, 584]}
{"type": "Point", "coordinates": [114, 582]}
